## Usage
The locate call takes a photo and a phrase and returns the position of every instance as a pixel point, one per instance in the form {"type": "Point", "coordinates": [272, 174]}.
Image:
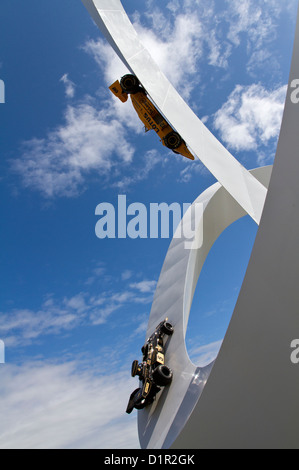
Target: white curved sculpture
{"type": "Point", "coordinates": [114, 23]}
{"type": "Point", "coordinates": [251, 399]}
{"type": "Point", "coordinates": [160, 424]}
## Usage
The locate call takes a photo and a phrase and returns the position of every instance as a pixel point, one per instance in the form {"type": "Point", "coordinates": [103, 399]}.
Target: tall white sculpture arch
{"type": "Point", "coordinates": [160, 424]}
{"type": "Point", "coordinates": [249, 396]}
{"type": "Point", "coordinates": [251, 399]}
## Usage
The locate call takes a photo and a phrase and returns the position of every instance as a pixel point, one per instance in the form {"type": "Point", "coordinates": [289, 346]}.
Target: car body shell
{"type": "Point", "coordinates": [150, 116]}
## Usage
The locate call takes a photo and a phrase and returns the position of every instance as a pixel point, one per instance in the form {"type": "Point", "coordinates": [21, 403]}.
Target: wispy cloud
{"type": "Point", "coordinates": [198, 33]}
{"type": "Point", "coordinates": [151, 159]}
{"type": "Point", "coordinates": [64, 406]}
{"type": "Point", "coordinates": [144, 286]}
{"type": "Point", "coordinates": [125, 275]}
{"type": "Point", "coordinates": [177, 51]}
{"type": "Point", "coordinates": [24, 326]}
{"type": "Point", "coordinates": [69, 86]}
{"type": "Point", "coordinates": [195, 168]}
{"type": "Point", "coordinates": [90, 142]}
{"type": "Point", "coordinates": [108, 302]}
{"type": "Point", "coordinates": [251, 117]}
{"type": "Point", "coordinates": [205, 354]}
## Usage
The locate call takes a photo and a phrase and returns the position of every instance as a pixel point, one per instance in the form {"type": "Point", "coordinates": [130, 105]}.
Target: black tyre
{"type": "Point", "coordinates": [130, 83]}
{"type": "Point", "coordinates": [140, 405]}
{"type": "Point", "coordinates": [167, 328]}
{"type": "Point", "coordinates": [134, 369]}
{"type": "Point", "coordinates": [162, 375]}
{"type": "Point", "coordinates": [173, 140]}
{"type": "Point", "coordinates": [139, 401]}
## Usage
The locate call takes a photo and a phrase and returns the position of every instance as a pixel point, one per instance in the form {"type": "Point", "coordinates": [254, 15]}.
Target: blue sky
{"type": "Point", "coordinates": [74, 308]}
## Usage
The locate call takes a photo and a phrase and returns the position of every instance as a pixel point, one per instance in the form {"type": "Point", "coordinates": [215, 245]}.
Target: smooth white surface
{"type": "Point", "coordinates": [251, 399]}
{"type": "Point", "coordinates": [114, 23]}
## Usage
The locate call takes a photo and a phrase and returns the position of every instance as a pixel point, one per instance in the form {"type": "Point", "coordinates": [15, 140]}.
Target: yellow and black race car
{"type": "Point", "coordinates": [148, 113]}
{"type": "Point", "coordinates": [152, 371]}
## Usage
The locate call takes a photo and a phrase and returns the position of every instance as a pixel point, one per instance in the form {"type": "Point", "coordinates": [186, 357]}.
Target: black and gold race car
{"type": "Point", "coordinates": [152, 371]}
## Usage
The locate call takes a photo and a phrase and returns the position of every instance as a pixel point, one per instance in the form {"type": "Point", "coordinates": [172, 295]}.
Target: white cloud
{"type": "Point", "coordinates": [251, 117]}
{"type": "Point", "coordinates": [77, 303]}
{"type": "Point", "coordinates": [263, 60]}
{"type": "Point", "coordinates": [98, 273]}
{"type": "Point", "coordinates": [219, 51]}
{"type": "Point", "coordinates": [204, 355]}
{"type": "Point", "coordinates": [69, 86]}
{"type": "Point", "coordinates": [22, 327]}
{"type": "Point", "coordinates": [105, 57]}
{"type": "Point", "coordinates": [64, 406]}
{"type": "Point", "coordinates": [256, 22]}
{"type": "Point", "coordinates": [244, 17]}
{"type": "Point", "coordinates": [103, 306]}
{"type": "Point", "coordinates": [126, 275]}
{"type": "Point", "coordinates": [177, 55]}
{"type": "Point", "coordinates": [195, 168]}
{"type": "Point", "coordinates": [209, 34]}
{"type": "Point", "coordinates": [91, 140]}
{"type": "Point", "coordinates": [174, 45]}
{"type": "Point", "coordinates": [257, 19]}
{"type": "Point", "coordinates": [144, 286]}
{"type": "Point", "coordinates": [151, 158]}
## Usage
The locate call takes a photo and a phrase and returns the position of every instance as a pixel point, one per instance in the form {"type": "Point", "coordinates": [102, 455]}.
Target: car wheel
{"type": "Point", "coordinates": [134, 369]}
{"type": "Point", "coordinates": [173, 140]}
{"type": "Point", "coordinates": [130, 83]}
{"type": "Point", "coordinates": [167, 328]}
{"type": "Point", "coordinates": [140, 403]}
{"type": "Point", "coordinates": [162, 375]}
{"type": "Point", "coordinates": [137, 399]}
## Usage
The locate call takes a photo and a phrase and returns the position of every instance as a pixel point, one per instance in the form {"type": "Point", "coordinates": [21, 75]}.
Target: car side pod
{"type": "Point", "coordinates": [118, 91]}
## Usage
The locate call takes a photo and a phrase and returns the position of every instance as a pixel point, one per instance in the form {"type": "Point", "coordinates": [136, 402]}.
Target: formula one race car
{"type": "Point", "coordinates": [152, 371]}
{"type": "Point", "coordinates": [148, 113]}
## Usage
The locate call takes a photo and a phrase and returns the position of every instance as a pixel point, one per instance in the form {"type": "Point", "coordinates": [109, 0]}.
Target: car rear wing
{"type": "Point", "coordinates": [118, 91]}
